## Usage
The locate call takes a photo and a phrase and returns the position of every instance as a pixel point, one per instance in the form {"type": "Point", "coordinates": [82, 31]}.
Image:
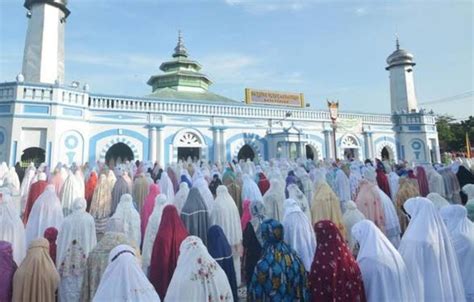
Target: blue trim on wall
{"type": "Point", "coordinates": [210, 150]}
{"type": "Point", "coordinates": [50, 146]}
{"type": "Point", "coordinates": [13, 155]}
{"type": "Point", "coordinates": [38, 109]}
{"type": "Point", "coordinates": [113, 132]}
{"type": "Point", "coordinates": [72, 112]}
{"type": "Point", "coordinates": [320, 140]}
{"type": "Point", "coordinates": [384, 138]}
{"type": "Point", "coordinates": [414, 128]}
{"type": "Point", "coordinates": [246, 137]}
{"type": "Point", "coordinates": [5, 108]}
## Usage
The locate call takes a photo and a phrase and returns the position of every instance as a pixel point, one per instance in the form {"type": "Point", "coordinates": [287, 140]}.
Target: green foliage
{"type": "Point", "coordinates": [452, 134]}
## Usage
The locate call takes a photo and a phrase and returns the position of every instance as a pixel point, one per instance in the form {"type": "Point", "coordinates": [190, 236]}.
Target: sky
{"type": "Point", "coordinates": [325, 49]}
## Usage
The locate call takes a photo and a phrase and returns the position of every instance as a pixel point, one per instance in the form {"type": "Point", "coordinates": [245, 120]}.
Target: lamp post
{"type": "Point", "coordinates": [333, 112]}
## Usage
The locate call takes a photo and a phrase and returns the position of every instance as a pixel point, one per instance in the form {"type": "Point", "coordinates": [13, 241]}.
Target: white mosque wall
{"type": "Point", "coordinates": [72, 126]}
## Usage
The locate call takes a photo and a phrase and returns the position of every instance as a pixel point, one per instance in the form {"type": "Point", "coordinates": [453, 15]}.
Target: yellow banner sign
{"type": "Point", "coordinates": [264, 97]}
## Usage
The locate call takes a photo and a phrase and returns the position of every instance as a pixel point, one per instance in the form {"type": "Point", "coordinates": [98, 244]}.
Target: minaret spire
{"type": "Point", "coordinates": [397, 42]}
{"type": "Point", "coordinates": [180, 50]}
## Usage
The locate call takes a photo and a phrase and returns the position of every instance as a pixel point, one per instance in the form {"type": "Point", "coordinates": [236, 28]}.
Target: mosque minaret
{"type": "Point", "coordinates": [402, 86]}
{"type": "Point", "coordinates": [43, 59]}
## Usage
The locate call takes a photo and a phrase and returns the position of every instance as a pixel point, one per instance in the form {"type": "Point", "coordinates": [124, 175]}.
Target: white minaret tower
{"type": "Point", "coordinates": [43, 59]}
{"type": "Point", "coordinates": [402, 86]}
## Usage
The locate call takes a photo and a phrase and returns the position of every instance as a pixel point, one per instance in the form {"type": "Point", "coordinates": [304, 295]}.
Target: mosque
{"type": "Point", "coordinates": [43, 119]}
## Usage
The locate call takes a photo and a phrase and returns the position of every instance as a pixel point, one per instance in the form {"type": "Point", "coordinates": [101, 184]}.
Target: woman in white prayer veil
{"type": "Point", "coordinates": [181, 196]}
{"type": "Point", "coordinates": [351, 216]}
{"type": "Point", "coordinates": [12, 182]}
{"type": "Point", "coordinates": [461, 230]}
{"type": "Point", "coordinates": [298, 232]}
{"type": "Point", "coordinates": [12, 228]}
{"type": "Point", "coordinates": [296, 194]}
{"type": "Point", "coordinates": [226, 215]}
{"type": "Point", "coordinates": [202, 185]}
{"type": "Point", "coordinates": [152, 229]}
{"type": "Point", "coordinates": [101, 204]}
{"type": "Point", "coordinates": [342, 187]}
{"type": "Point", "coordinates": [130, 217]}
{"type": "Point", "coordinates": [78, 226]}
{"type": "Point", "coordinates": [354, 179]}
{"type": "Point", "coordinates": [435, 181]}
{"type": "Point", "coordinates": [26, 184]}
{"type": "Point", "coordinates": [123, 279]}
{"type": "Point", "coordinates": [438, 200]}
{"type": "Point", "coordinates": [166, 185]}
{"type": "Point", "coordinates": [250, 189]}
{"type": "Point", "coordinates": [197, 277]}
{"type": "Point", "coordinates": [70, 191]}
{"type": "Point", "coordinates": [274, 199]}
{"type": "Point", "coordinates": [3, 170]}
{"type": "Point", "coordinates": [46, 212]}
{"type": "Point", "coordinates": [428, 252]}
{"type": "Point", "coordinates": [80, 180]}
{"type": "Point", "coordinates": [393, 183]}
{"type": "Point", "coordinates": [306, 182]}
{"type": "Point", "coordinates": [384, 272]}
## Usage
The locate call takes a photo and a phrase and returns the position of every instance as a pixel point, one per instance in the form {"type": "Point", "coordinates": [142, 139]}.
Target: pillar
{"type": "Point", "coordinates": [371, 146]}
{"type": "Point", "coordinates": [222, 146]}
{"type": "Point", "coordinates": [160, 154]}
{"type": "Point", "coordinates": [328, 144]}
{"type": "Point", "coordinates": [152, 144]}
{"type": "Point", "coordinates": [215, 144]}
{"type": "Point", "coordinates": [366, 145]}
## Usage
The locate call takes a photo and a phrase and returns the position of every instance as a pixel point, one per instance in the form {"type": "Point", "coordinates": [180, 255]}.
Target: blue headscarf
{"type": "Point", "coordinates": [220, 250]}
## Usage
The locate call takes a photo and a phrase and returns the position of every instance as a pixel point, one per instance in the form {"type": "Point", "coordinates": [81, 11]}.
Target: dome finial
{"type": "Point", "coordinates": [180, 50]}
{"type": "Point", "coordinates": [397, 42]}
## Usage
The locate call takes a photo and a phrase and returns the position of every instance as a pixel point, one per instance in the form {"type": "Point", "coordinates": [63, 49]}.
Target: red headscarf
{"type": "Point", "coordinates": [246, 216]}
{"type": "Point", "coordinates": [334, 275]}
{"type": "Point", "coordinates": [36, 190]}
{"type": "Point", "coordinates": [148, 205]}
{"type": "Point", "coordinates": [89, 189]}
{"type": "Point", "coordinates": [382, 181]}
{"type": "Point", "coordinates": [422, 181]}
{"type": "Point", "coordinates": [166, 249]}
{"type": "Point", "coordinates": [51, 234]}
{"type": "Point", "coordinates": [263, 183]}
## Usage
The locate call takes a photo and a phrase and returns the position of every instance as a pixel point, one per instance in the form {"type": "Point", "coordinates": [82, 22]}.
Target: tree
{"type": "Point", "coordinates": [452, 134]}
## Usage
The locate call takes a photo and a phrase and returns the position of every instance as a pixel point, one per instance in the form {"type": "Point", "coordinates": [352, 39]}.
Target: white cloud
{"type": "Point", "coordinates": [361, 11]}
{"type": "Point", "coordinates": [264, 6]}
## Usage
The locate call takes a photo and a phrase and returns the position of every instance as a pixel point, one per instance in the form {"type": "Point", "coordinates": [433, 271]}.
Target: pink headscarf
{"type": "Point", "coordinates": [148, 206]}
{"type": "Point", "coordinates": [246, 216]}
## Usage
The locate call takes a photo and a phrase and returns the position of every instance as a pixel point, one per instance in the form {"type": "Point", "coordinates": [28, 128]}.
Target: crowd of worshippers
{"type": "Point", "coordinates": [268, 231]}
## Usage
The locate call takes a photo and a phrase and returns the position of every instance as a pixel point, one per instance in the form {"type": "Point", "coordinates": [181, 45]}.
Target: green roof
{"type": "Point", "coordinates": [198, 97]}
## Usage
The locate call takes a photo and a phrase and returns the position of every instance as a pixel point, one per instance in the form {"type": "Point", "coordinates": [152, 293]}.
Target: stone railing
{"type": "Point", "coordinates": [43, 93]}
{"type": "Point", "coordinates": [245, 111]}
{"type": "Point", "coordinates": [69, 96]}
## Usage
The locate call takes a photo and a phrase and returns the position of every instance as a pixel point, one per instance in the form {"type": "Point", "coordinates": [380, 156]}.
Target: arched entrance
{"type": "Point", "coordinates": [118, 153]}
{"type": "Point", "coordinates": [189, 146]}
{"type": "Point", "coordinates": [246, 152]}
{"type": "Point", "coordinates": [33, 155]}
{"type": "Point", "coordinates": [349, 147]}
{"type": "Point", "coordinates": [385, 154]}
